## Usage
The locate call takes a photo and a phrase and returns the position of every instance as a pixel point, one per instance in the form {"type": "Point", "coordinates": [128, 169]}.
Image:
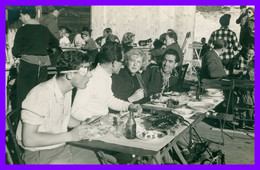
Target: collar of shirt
{"type": "Point", "coordinates": [100, 70]}
{"type": "Point", "coordinates": [216, 52]}
{"type": "Point", "coordinates": [57, 93]}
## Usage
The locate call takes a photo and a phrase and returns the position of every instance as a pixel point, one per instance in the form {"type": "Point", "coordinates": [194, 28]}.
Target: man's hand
{"type": "Point", "coordinates": [79, 132]}
{"type": "Point", "coordinates": [135, 108]}
{"type": "Point", "coordinates": [138, 95]}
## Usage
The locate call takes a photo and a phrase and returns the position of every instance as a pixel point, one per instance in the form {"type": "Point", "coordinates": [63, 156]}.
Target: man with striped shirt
{"type": "Point", "coordinates": [229, 36]}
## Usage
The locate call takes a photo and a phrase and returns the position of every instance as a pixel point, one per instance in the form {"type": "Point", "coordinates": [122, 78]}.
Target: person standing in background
{"type": "Point", "coordinates": [51, 22]}
{"type": "Point", "coordinates": [30, 44]}
{"type": "Point", "coordinates": [229, 36]}
{"type": "Point", "coordinates": [242, 20]}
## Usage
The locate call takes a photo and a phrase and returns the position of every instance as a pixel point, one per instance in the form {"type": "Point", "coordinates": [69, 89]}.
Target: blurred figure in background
{"type": "Point", "coordinates": [128, 41]}
{"type": "Point", "coordinates": [78, 41]}
{"type": "Point", "coordinates": [90, 45]}
{"type": "Point", "coordinates": [64, 36]}
{"type": "Point", "coordinates": [242, 20]}
{"type": "Point", "coordinates": [172, 43]}
{"type": "Point", "coordinates": [51, 22]}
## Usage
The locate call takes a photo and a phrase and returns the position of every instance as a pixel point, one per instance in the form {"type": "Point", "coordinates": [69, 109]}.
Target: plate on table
{"type": "Point", "coordinates": [214, 92]}
{"type": "Point", "coordinates": [150, 135]}
{"type": "Point", "coordinates": [184, 112]}
{"type": "Point", "coordinates": [200, 106]}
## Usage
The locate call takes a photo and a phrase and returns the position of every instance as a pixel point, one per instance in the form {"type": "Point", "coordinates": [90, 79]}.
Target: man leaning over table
{"type": "Point", "coordinates": [45, 116]}
{"type": "Point", "coordinates": [95, 100]}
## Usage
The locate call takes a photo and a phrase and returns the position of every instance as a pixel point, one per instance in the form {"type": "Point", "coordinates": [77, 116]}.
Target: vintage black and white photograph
{"type": "Point", "coordinates": [130, 85]}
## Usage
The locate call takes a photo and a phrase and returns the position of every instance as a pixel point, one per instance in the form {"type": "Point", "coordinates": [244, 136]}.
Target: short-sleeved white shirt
{"type": "Point", "coordinates": [47, 107]}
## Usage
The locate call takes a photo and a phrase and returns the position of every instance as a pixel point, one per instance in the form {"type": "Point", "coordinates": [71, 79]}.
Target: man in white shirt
{"type": "Point", "coordinates": [45, 116]}
{"type": "Point", "coordinates": [98, 96]}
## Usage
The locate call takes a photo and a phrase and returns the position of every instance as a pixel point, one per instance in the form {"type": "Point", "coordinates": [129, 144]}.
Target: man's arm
{"type": "Point", "coordinates": [16, 51]}
{"type": "Point", "coordinates": [32, 138]}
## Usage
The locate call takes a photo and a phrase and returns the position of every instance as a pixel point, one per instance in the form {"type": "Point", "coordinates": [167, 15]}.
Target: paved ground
{"type": "Point", "coordinates": [239, 150]}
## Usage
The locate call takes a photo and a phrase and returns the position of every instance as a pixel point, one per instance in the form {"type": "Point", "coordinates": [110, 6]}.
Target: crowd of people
{"type": "Point", "coordinates": [110, 76]}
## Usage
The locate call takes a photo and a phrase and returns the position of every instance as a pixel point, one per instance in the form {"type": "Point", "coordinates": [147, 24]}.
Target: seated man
{"type": "Point", "coordinates": [95, 100]}
{"type": "Point", "coordinates": [162, 78]}
{"type": "Point", "coordinates": [45, 116]}
{"type": "Point", "coordinates": [212, 67]}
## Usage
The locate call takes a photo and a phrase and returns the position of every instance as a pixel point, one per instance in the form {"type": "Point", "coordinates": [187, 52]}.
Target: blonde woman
{"type": "Point", "coordinates": [128, 84]}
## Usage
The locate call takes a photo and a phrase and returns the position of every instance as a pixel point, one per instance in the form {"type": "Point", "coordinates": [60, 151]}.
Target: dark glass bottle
{"type": "Point", "coordinates": [130, 129]}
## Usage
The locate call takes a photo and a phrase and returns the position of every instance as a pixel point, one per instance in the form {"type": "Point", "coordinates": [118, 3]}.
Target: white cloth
{"type": "Point", "coordinates": [95, 99]}
{"type": "Point", "coordinates": [45, 106]}
{"type": "Point", "coordinates": [78, 41]}
{"type": "Point", "coordinates": [65, 42]}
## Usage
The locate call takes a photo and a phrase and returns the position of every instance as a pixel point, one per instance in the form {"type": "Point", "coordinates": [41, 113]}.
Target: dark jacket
{"type": "Point", "coordinates": [153, 80]}
{"type": "Point", "coordinates": [124, 84]}
{"type": "Point", "coordinates": [212, 66]}
{"type": "Point", "coordinates": [51, 22]}
{"type": "Point", "coordinates": [33, 40]}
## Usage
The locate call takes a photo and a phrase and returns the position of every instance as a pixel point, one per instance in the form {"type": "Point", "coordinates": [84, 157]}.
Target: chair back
{"type": "Point", "coordinates": [217, 84]}
{"type": "Point", "coordinates": [225, 85]}
{"type": "Point", "coordinates": [12, 120]}
{"type": "Point", "coordinates": [181, 74]}
{"type": "Point", "coordinates": [244, 84]}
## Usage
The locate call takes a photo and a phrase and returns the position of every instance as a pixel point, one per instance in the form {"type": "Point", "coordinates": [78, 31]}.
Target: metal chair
{"type": "Point", "coordinates": [12, 120]}
{"type": "Point", "coordinates": [181, 75]}
{"type": "Point", "coordinates": [227, 86]}
{"type": "Point", "coordinates": [247, 87]}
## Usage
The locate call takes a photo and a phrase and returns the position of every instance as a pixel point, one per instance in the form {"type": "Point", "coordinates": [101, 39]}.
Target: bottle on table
{"type": "Point", "coordinates": [130, 129]}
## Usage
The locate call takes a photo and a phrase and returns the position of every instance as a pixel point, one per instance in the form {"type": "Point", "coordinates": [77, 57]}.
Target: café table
{"type": "Point", "coordinates": [153, 152]}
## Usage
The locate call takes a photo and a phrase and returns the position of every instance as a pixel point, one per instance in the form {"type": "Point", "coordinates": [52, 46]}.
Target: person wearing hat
{"type": "Point", "coordinates": [212, 66]}
{"type": "Point", "coordinates": [225, 33]}
{"type": "Point", "coordinates": [127, 41]}
{"type": "Point", "coordinates": [90, 45]}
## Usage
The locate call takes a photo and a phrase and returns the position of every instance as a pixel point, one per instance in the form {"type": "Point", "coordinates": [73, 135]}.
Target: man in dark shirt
{"type": "Point", "coordinates": [211, 63]}
{"type": "Point", "coordinates": [30, 44]}
{"type": "Point", "coordinates": [162, 78]}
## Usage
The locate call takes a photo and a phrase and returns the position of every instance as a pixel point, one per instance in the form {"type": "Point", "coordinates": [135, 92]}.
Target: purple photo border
{"type": "Point", "coordinates": [114, 2]}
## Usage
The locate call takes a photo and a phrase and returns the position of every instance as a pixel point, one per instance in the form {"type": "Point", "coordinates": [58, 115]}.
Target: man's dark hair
{"type": "Point", "coordinates": [71, 60]}
{"type": "Point", "coordinates": [30, 10]}
{"type": "Point", "coordinates": [67, 30]}
{"type": "Point", "coordinates": [220, 43]}
{"type": "Point", "coordinates": [109, 52]}
{"type": "Point", "coordinates": [85, 28]}
{"type": "Point", "coordinates": [108, 30]}
{"type": "Point", "coordinates": [172, 52]}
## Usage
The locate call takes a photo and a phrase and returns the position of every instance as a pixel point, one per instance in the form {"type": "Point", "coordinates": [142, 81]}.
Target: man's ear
{"type": "Point", "coordinates": [69, 76]}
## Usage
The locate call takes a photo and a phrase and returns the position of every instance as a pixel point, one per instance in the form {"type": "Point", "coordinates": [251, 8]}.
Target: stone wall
{"type": "Point", "coordinates": [145, 21]}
